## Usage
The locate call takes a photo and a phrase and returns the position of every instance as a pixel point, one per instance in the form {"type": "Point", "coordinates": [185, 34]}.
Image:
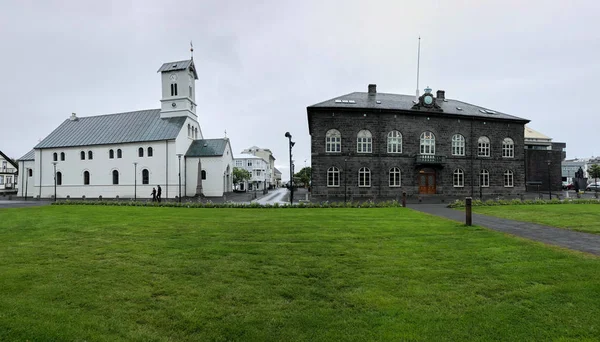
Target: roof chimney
{"type": "Point", "coordinates": [441, 94]}
{"type": "Point", "coordinates": [372, 89]}
{"type": "Point", "coordinates": [73, 117]}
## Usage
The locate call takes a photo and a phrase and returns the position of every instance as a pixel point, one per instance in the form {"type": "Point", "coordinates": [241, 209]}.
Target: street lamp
{"type": "Point", "coordinates": [549, 180]}
{"type": "Point", "coordinates": [26, 179]}
{"type": "Point", "coordinates": [54, 164]}
{"type": "Point", "coordinates": [179, 162]}
{"type": "Point", "coordinates": [345, 181]}
{"type": "Point", "coordinates": [135, 181]}
{"type": "Point", "coordinates": [291, 143]}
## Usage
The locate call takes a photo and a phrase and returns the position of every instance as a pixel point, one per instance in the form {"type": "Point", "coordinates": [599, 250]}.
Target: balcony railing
{"type": "Point", "coordinates": [8, 170]}
{"type": "Point", "coordinates": [429, 159]}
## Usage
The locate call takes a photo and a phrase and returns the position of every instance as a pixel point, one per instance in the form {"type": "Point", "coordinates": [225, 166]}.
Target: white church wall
{"type": "Point", "coordinates": [101, 169]}
{"type": "Point", "coordinates": [191, 176]}
{"type": "Point", "coordinates": [24, 180]}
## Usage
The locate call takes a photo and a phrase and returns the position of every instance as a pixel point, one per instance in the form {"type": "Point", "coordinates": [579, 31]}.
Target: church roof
{"type": "Point", "coordinates": [384, 101]}
{"type": "Point", "coordinates": [179, 65]}
{"type": "Point", "coordinates": [207, 148]}
{"type": "Point", "coordinates": [28, 156]}
{"type": "Point", "coordinates": [138, 126]}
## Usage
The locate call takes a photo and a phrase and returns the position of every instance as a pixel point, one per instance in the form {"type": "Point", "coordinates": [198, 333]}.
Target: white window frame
{"type": "Point", "coordinates": [427, 143]}
{"type": "Point", "coordinates": [333, 177]}
{"type": "Point", "coordinates": [394, 142]}
{"type": "Point", "coordinates": [508, 148]}
{"type": "Point", "coordinates": [484, 178]}
{"type": "Point", "coordinates": [458, 145]}
{"type": "Point", "coordinates": [483, 146]}
{"type": "Point", "coordinates": [364, 142]}
{"type": "Point", "coordinates": [458, 178]}
{"type": "Point", "coordinates": [509, 179]}
{"type": "Point", "coordinates": [395, 177]}
{"type": "Point", "coordinates": [364, 177]}
{"type": "Point", "coordinates": [333, 141]}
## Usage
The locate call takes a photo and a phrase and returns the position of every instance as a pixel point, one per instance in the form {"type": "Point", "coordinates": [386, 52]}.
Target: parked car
{"type": "Point", "coordinates": [593, 187]}
{"type": "Point", "coordinates": [567, 186]}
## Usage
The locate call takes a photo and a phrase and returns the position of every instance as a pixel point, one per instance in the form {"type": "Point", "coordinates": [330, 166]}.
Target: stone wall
{"type": "Point", "coordinates": [411, 125]}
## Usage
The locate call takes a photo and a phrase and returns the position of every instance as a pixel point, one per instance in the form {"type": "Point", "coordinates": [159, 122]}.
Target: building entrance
{"type": "Point", "coordinates": [427, 181]}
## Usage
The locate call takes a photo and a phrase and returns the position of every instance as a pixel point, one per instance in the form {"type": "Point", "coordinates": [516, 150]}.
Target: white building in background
{"type": "Point", "coordinates": [267, 155]}
{"type": "Point", "coordinates": [8, 175]}
{"type": "Point", "coordinates": [128, 154]}
{"type": "Point", "coordinates": [259, 171]}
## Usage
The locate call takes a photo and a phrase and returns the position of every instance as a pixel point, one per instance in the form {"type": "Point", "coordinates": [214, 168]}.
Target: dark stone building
{"type": "Point", "coordinates": [376, 146]}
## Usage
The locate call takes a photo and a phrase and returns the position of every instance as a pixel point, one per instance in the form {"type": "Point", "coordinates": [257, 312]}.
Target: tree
{"type": "Point", "coordinates": [594, 172]}
{"type": "Point", "coordinates": [304, 176]}
{"type": "Point", "coordinates": [240, 175]}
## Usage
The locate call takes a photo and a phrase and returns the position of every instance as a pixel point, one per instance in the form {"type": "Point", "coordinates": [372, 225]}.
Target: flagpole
{"type": "Point", "coordinates": [418, 65]}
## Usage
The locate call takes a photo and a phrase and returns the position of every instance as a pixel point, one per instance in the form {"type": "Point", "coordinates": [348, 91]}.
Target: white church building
{"type": "Point", "coordinates": [128, 154]}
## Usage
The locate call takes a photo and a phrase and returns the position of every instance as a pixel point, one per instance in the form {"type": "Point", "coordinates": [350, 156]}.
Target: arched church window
{"type": "Point", "coordinates": [203, 174]}
{"type": "Point", "coordinates": [111, 154]}
{"type": "Point", "coordinates": [82, 155]}
{"type": "Point", "coordinates": [62, 156]}
{"type": "Point", "coordinates": [55, 156]}
{"type": "Point", "coordinates": [145, 176]}
{"type": "Point", "coordinates": [59, 178]}
{"type": "Point", "coordinates": [115, 177]}
{"type": "Point", "coordinates": [86, 178]}
{"type": "Point", "coordinates": [90, 155]}
{"type": "Point", "coordinates": [119, 153]}
{"type": "Point", "coordinates": [150, 152]}
{"type": "Point", "coordinates": [140, 152]}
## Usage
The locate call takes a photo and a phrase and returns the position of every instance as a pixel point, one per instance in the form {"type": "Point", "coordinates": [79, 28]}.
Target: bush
{"type": "Point", "coordinates": [538, 201]}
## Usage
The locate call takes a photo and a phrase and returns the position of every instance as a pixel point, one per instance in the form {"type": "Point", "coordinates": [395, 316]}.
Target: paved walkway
{"type": "Point", "coordinates": [583, 242]}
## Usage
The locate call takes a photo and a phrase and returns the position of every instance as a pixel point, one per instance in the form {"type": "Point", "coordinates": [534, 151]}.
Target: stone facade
{"type": "Point", "coordinates": [411, 124]}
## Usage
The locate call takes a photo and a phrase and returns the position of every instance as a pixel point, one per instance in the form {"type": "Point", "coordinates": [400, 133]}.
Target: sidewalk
{"type": "Point", "coordinates": [583, 242]}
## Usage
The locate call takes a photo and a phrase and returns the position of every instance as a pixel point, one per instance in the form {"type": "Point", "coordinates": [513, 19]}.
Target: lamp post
{"type": "Point", "coordinates": [291, 143]}
{"type": "Point", "coordinates": [345, 181]}
{"type": "Point", "coordinates": [549, 180]}
{"type": "Point", "coordinates": [135, 181]}
{"type": "Point", "coordinates": [54, 164]}
{"type": "Point", "coordinates": [179, 174]}
{"type": "Point", "coordinates": [26, 179]}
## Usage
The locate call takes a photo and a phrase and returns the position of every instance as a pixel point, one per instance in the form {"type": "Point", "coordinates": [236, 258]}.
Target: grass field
{"type": "Point", "coordinates": [579, 217]}
{"type": "Point", "coordinates": [74, 273]}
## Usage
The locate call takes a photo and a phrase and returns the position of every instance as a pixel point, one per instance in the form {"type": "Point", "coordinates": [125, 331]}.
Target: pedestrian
{"type": "Point", "coordinates": [153, 194]}
{"type": "Point", "coordinates": [158, 193]}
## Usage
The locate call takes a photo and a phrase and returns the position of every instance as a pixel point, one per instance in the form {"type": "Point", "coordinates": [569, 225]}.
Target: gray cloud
{"type": "Point", "coordinates": [262, 63]}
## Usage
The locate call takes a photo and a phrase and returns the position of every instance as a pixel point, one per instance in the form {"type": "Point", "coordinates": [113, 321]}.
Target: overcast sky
{"type": "Point", "coordinates": [261, 63]}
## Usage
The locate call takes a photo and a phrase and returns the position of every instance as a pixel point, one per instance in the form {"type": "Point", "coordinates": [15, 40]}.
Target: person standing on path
{"type": "Point", "coordinates": [153, 194]}
{"type": "Point", "coordinates": [158, 194]}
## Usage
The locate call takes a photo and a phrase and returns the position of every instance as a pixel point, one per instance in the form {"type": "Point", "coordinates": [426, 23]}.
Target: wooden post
{"type": "Point", "coordinates": [404, 199]}
{"type": "Point", "coordinates": [468, 218]}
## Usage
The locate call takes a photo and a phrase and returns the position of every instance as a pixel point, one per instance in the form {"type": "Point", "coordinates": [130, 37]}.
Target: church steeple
{"type": "Point", "coordinates": [178, 89]}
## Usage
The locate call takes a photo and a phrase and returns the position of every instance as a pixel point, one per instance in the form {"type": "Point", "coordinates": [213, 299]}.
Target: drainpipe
{"type": "Point", "coordinates": [167, 169]}
{"type": "Point", "coordinates": [41, 155]}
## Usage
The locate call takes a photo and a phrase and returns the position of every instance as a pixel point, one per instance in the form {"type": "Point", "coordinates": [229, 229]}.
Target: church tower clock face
{"type": "Point", "coordinates": [173, 77]}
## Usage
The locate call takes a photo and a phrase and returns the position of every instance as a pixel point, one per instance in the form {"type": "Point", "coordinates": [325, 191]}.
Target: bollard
{"type": "Point", "coordinates": [468, 218]}
{"type": "Point", "coordinates": [404, 199]}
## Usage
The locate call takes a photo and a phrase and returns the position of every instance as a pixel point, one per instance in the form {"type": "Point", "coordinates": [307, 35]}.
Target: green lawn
{"type": "Point", "coordinates": [75, 273]}
{"type": "Point", "coordinates": [579, 217]}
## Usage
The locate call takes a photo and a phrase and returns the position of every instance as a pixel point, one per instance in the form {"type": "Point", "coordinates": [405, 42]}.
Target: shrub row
{"type": "Point", "coordinates": [366, 204]}
{"type": "Point", "coordinates": [489, 203]}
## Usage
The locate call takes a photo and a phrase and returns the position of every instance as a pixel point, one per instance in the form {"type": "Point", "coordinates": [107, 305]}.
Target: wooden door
{"type": "Point", "coordinates": [426, 182]}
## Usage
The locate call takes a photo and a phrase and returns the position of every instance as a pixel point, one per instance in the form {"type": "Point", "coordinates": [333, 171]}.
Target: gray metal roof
{"type": "Point", "coordinates": [207, 148]}
{"type": "Point", "coordinates": [28, 156]}
{"type": "Point", "coordinates": [143, 125]}
{"type": "Point", "coordinates": [179, 65]}
{"type": "Point", "coordinates": [385, 101]}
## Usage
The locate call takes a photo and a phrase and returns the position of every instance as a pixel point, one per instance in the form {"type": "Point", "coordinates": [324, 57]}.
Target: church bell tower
{"type": "Point", "coordinates": [178, 89]}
